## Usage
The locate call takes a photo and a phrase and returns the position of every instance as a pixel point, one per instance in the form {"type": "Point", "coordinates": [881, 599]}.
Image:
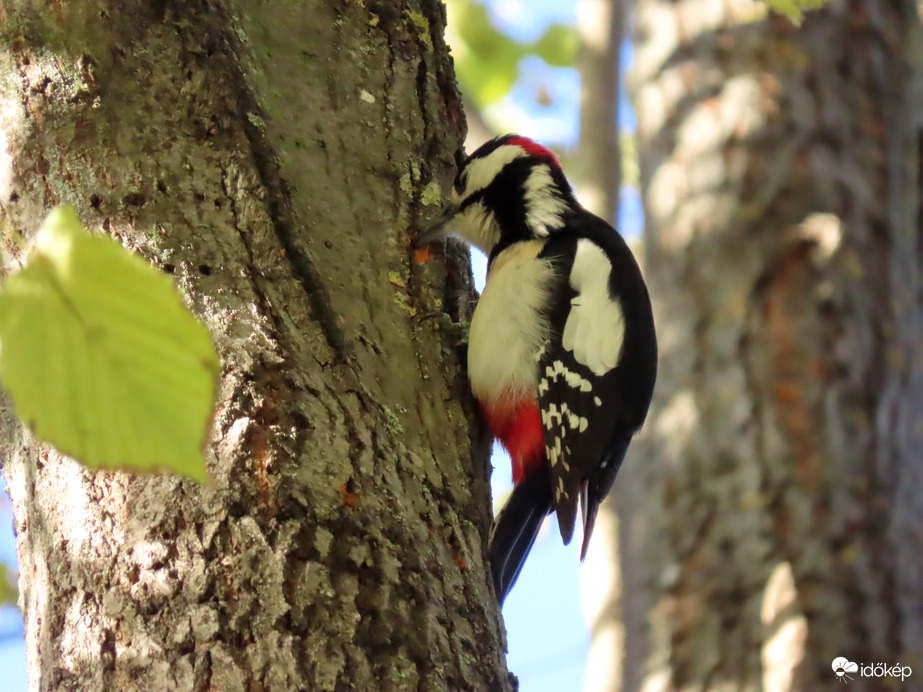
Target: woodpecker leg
{"type": "Point", "coordinates": [456, 333]}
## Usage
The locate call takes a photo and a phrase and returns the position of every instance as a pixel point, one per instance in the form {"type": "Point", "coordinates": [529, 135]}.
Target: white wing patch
{"type": "Point", "coordinates": [595, 328]}
{"type": "Point", "coordinates": [544, 207]}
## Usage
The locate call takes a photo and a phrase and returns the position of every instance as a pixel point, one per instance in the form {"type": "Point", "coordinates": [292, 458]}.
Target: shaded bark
{"type": "Point", "coordinates": [775, 497]}
{"type": "Point", "coordinates": [273, 157]}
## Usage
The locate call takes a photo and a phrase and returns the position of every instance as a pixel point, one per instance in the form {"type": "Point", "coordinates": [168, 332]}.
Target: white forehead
{"type": "Point", "coordinates": [481, 171]}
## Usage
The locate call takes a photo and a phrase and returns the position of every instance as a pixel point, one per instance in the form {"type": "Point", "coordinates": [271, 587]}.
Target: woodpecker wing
{"type": "Point", "coordinates": [587, 393]}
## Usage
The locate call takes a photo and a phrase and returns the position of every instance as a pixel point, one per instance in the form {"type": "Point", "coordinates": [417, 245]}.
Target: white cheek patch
{"type": "Point", "coordinates": [595, 327]}
{"type": "Point", "coordinates": [481, 172]}
{"type": "Point", "coordinates": [544, 206]}
{"type": "Point", "coordinates": [478, 226]}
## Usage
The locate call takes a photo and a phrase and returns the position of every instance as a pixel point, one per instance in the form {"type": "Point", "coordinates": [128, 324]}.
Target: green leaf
{"type": "Point", "coordinates": [558, 45]}
{"type": "Point", "coordinates": [100, 356]}
{"type": "Point", "coordinates": [793, 8]}
{"type": "Point", "coordinates": [493, 79]}
{"type": "Point", "coordinates": [487, 60]}
{"type": "Point", "coordinates": [9, 594]}
{"type": "Point", "coordinates": [476, 29]}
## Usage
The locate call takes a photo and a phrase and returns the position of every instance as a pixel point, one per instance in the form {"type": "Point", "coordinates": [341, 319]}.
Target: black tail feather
{"type": "Point", "coordinates": [596, 489]}
{"type": "Point", "coordinates": [590, 503]}
{"type": "Point", "coordinates": [515, 529]}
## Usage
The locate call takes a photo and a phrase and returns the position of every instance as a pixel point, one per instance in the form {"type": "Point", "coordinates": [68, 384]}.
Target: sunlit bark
{"type": "Point", "coordinates": [272, 157]}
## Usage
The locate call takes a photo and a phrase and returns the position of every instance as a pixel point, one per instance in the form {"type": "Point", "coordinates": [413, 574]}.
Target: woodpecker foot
{"type": "Point", "coordinates": [455, 333]}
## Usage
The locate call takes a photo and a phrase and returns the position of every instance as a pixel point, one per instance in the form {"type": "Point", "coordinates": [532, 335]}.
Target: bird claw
{"type": "Point", "coordinates": [456, 333]}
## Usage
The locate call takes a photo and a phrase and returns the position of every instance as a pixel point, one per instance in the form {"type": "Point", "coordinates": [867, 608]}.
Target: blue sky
{"type": "Point", "coordinates": [548, 638]}
{"type": "Point", "coordinates": [12, 646]}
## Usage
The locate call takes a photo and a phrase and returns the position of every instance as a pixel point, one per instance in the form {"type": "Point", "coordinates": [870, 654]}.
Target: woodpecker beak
{"type": "Point", "coordinates": [438, 230]}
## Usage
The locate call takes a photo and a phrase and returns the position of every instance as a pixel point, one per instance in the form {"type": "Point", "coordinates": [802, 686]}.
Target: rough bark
{"type": "Point", "coordinates": [273, 157]}
{"type": "Point", "coordinates": [775, 500]}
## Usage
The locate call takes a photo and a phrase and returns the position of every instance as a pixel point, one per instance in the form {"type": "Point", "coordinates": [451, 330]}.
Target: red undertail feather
{"type": "Point", "coordinates": [519, 429]}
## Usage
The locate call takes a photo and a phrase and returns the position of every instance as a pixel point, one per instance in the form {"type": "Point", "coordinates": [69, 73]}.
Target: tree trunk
{"type": "Point", "coordinates": [274, 158]}
{"type": "Point", "coordinates": [775, 499]}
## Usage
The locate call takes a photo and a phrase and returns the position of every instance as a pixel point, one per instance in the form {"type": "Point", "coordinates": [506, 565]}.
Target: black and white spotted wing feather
{"type": "Point", "coordinates": [590, 376]}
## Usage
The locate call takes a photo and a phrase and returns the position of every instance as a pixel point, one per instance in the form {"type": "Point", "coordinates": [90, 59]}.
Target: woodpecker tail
{"type": "Point", "coordinates": [516, 527]}
{"type": "Point", "coordinates": [595, 490]}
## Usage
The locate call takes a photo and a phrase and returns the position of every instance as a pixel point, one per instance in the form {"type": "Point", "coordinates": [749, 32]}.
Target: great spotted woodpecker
{"type": "Point", "coordinates": [562, 354]}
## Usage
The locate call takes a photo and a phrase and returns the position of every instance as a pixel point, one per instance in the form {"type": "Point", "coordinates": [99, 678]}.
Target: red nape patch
{"type": "Point", "coordinates": [519, 429]}
{"type": "Point", "coordinates": [534, 148]}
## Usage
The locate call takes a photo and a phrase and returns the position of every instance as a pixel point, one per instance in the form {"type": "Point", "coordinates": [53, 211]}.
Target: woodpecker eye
{"type": "Point", "coordinates": [461, 181]}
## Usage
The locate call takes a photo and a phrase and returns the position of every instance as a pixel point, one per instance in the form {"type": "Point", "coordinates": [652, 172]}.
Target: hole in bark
{"type": "Point", "coordinates": [205, 269]}
{"type": "Point", "coordinates": [301, 421]}
{"type": "Point", "coordinates": [107, 649]}
{"type": "Point", "coordinates": [134, 199]}
{"type": "Point", "coordinates": [95, 201]}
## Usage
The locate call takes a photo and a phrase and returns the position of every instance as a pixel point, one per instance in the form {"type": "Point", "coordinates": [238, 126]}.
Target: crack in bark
{"type": "Point", "coordinates": [279, 200]}
{"type": "Point", "coordinates": [255, 283]}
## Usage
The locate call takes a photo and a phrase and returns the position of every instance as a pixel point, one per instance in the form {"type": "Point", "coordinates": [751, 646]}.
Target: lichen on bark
{"type": "Point", "coordinates": [233, 144]}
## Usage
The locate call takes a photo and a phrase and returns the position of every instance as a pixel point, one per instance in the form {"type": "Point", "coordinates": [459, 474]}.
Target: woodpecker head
{"type": "Point", "coordinates": [510, 189]}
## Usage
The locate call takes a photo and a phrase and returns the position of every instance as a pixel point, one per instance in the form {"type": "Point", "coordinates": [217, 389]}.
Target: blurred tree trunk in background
{"type": "Point", "coordinates": [601, 25]}
{"type": "Point", "coordinates": [273, 158]}
{"type": "Point", "coordinates": [775, 500]}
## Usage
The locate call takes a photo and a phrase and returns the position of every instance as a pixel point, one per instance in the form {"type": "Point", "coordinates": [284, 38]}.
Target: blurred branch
{"type": "Point", "coordinates": [601, 26]}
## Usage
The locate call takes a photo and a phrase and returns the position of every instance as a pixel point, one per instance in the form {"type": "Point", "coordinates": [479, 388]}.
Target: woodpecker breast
{"type": "Point", "coordinates": [510, 326]}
